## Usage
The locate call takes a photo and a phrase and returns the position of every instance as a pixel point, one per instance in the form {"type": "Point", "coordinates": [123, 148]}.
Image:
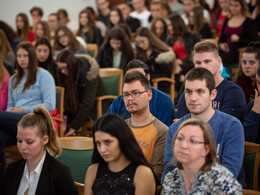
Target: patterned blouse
{"type": "Point", "coordinates": [218, 180]}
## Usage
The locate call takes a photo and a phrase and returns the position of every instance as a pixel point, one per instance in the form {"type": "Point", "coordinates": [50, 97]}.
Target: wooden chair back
{"type": "Point", "coordinates": [80, 188]}
{"type": "Point", "coordinates": [92, 49]}
{"type": "Point", "coordinates": [60, 106]}
{"type": "Point", "coordinates": [77, 155]}
{"type": "Point", "coordinates": [251, 164]}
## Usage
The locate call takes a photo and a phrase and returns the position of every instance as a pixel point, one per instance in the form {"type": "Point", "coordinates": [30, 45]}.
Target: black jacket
{"type": "Point", "coordinates": [55, 178]}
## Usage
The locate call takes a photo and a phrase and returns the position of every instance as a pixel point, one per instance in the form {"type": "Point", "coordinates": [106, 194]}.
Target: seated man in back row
{"type": "Point", "coordinates": [230, 98]}
{"type": "Point", "coordinates": [161, 105]}
{"type": "Point", "coordinates": [200, 91]}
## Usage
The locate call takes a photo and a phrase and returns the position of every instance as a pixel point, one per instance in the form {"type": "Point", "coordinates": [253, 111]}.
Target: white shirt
{"type": "Point", "coordinates": [31, 181]}
{"type": "Point", "coordinates": [142, 17]}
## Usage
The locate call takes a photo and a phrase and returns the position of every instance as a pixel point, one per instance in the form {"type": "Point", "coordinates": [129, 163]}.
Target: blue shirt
{"type": "Point", "coordinates": [161, 107]}
{"type": "Point", "coordinates": [230, 99]}
{"type": "Point", "coordinates": [229, 139]}
{"type": "Point", "coordinates": [41, 92]}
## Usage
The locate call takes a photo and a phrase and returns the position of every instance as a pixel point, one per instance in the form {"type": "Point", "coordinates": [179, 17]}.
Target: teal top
{"type": "Point", "coordinates": [117, 60]}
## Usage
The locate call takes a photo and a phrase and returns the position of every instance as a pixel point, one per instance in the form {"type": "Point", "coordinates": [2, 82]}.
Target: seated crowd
{"type": "Point", "coordinates": [141, 142]}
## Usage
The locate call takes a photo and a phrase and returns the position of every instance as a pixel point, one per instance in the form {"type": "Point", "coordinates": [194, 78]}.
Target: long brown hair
{"type": "Point", "coordinates": [23, 33]}
{"type": "Point", "coordinates": [91, 23]}
{"type": "Point", "coordinates": [198, 19]}
{"type": "Point", "coordinates": [164, 34]}
{"type": "Point", "coordinates": [46, 29]}
{"type": "Point", "coordinates": [180, 29]}
{"type": "Point", "coordinates": [32, 66]}
{"type": "Point", "coordinates": [41, 119]}
{"type": "Point", "coordinates": [66, 56]}
{"type": "Point", "coordinates": [155, 43]}
{"type": "Point", "coordinates": [4, 45]}
{"type": "Point", "coordinates": [119, 34]}
{"type": "Point", "coordinates": [73, 44]}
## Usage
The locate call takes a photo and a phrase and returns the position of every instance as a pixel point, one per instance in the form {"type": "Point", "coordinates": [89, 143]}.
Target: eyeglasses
{"type": "Point", "coordinates": [134, 94]}
{"type": "Point", "coordinates": [191, 141]}
{"type": "Point", "coordinates": [138, 43]}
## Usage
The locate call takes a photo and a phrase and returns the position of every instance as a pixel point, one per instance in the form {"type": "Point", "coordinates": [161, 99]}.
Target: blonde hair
{"type": "Point", "coordinates": [41, 119]}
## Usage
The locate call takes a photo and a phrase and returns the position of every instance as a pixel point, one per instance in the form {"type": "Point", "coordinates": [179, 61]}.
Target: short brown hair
{"type": "Point", "coordinates": [38, 9]}
{"type": "Point", "coordinates": [209, 141]}
{"type": "Point", "coordinates": [205, 46]}
{"type": "Point", "coordinates": [137, 76]}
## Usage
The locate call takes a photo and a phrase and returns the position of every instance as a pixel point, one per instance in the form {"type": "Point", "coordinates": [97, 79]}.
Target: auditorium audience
{"type": "Point", "coordinates": [141, 12]}
{"type": "Point", "coordinates": [118, 159]}
{"type": "Point", "coordinates": [103, 10]}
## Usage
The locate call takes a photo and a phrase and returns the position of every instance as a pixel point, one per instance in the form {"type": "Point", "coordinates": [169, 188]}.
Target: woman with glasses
{"type": "Point", "coordinates": [156, 54]}
{"type": "Point", "coordinates": [79, 77]}
{"type": "Point", "coordinates": [64, 39]}
{"type": "Point", "coordinates": [118, 163]}
{"type": "Point", "coordinates": [29, 87]}
{"type": "Point", "coordinates": [198, 171]}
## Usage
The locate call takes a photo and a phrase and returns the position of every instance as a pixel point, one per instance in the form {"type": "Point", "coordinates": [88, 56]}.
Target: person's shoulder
{"type": "Point", "coordinates": [228, 85]}
{"type": "Point", "coordinates": [14, 165]}
{"type": "Point", "coordinates": [160, 125]}
{"type": "Point", "coordinates": [159, 95]}
{"type": "Point", "coordinates": [221, 116]}
{"type": "Point", "coordinates": [143, 173]}
{"type": "Point", "coordinates": [92, 170]}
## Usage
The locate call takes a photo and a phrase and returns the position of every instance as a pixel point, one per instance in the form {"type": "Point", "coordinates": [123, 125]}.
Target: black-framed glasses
{"type": "Point", "coordinates": [133, 94]}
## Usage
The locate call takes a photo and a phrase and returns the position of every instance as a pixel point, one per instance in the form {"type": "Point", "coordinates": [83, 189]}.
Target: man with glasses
{"type": "Point", "coordinates": [160, 105]}
{"type": "Point", "coordinates": [149, 132]}
{"type": "Point", "coordinates": [200, 91]}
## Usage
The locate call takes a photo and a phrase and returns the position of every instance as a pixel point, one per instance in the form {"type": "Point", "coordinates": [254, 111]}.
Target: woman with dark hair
{"type": "Point", "coordinates": [237, 32]}
{"type": "Point", "coordinates": [182, 41]}
{"type": "Point", "coordinates": [156, 54]}
{"type": "Point", "coordinates": [245, 76]}
{"type": "Point", "coordinates": [87, 28]}
{"type": "Point", "coordinates": [28, 87]}
{"type": "Point", "coordinates": [79, 76]}
{"type": "Point", "coordinates": [159, 28]}
{"type": "Point", "coordinates": [198, 170]}
{"type": "Point", "coordinates": [64, 39]}
{"type": "Point", "coordinates": [197, 23]}
{"type": "Point", "coordinates": [23, 28]}
{"type": "Point", "coordinates": [12, 37]}
{"type": "Point", "coordinates": [118, 160]}
{"type": "Point", "coordinates": [115, 17]}
{"type": "Point", "coordinates": [38, 172]}
{"type": "Point", "coordinates": [44, 55]}
{"type": "Point", "coordinates": [116, 50]}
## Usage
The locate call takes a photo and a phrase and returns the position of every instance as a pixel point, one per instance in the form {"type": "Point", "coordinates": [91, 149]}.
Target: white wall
{"type": "Point", "coordinates": [10, 8]}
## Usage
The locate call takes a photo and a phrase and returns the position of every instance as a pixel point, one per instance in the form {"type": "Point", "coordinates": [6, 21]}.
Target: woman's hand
{"type": "Point", "coordinates": [256, 107]}
{"type": "Point", "coordinates": [224, 47]}
{"type": "Point", "coordinates": [21, 110]}
{"type": "Point", "coordinates": [70, 132]}
{"type": "Point", "coordinates": [234, 38]}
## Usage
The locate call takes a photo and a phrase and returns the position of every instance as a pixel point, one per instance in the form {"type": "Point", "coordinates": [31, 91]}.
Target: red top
{"type": "Point", "coordinates": [180, 50]}
{"type": "Point", "coordinates": [220, 22]}
{"type": "Point", "coordinates": [229, 31]}
{"type": "Point", "coordinates": [31, 36]}
{"type": "Point", "coordinates": [4, 91]}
